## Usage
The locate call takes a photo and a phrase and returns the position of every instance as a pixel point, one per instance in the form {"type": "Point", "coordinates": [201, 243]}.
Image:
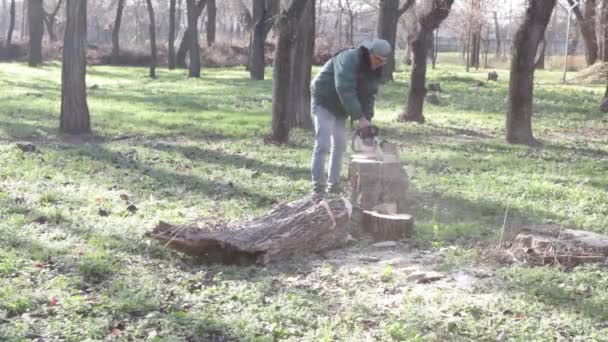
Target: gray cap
{"type": "Point", "coordinates": [379, 47]}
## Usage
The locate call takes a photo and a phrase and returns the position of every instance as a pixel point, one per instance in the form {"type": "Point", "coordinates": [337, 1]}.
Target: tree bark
{"type": "Point", "coordinates": [497, 31]}
{"type": "Point", "coordinates": [388, 21]}
{"type": "Point", "coordinates": [116, 33]}
{"type": "Point", "coordinates": [3, 16]}
{"type": "Point", "coordinates": [436, 12]}
{"type": "Point", "coordinates": [211, 21]}
{"type": "Point", "coordinates": [152, 39]}
{"type": "Point", "coordinates": [604, 30]}
{"type": "Point", "coordinates": [24, 19]}
{"type": "Point", "coordinates": [301, 69]}
{"type": "Point", "coordinates": [521, 85]}
{"type": "Point", "coordinates": [297, 228]}
{"type": "Point", "coordinates": [74, 117]}
{"type": "Point", "coordinates": [540, 58]}
{"type": "Point", "coordinates": [194, 68]}
{"type": "Point", "coordinates": [184, 46]}
{"type": "Point", "coordinates": [263, 16]}
{"type": "Point", "coordinates": [287, 24]}
{"type": "Point", "coordinates": [172, 34]}
{"type": "Point", "coordinates": [36, 28]}
{"type": "Point", "coordinates": [11, 25]}
{"type": "Point", "coordinates": [586, 24]}
{"type": "Point", "coordinates": [50, 20]}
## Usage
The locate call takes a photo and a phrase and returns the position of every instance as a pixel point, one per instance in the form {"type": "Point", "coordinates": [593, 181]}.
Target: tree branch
{"type": "Point", "coordinates": [406, 6]}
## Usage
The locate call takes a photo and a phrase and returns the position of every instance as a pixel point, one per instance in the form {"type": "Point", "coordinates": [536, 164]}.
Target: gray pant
{"type": "Point", "coordinates": [330, 135]}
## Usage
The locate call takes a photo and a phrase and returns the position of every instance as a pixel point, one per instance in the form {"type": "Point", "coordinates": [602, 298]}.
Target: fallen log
{"type": "Point", "coordinates": [551, 245]}
{"type": "Point", "coordinates": [296, 228]}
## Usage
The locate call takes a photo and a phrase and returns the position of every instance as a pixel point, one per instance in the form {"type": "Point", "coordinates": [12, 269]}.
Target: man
{"type": "Point", "coordinates": [346, 86]}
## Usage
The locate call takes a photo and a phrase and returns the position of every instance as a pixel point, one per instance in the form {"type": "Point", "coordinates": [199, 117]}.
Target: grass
{"type": "Point", "coordinates": [74, 264]}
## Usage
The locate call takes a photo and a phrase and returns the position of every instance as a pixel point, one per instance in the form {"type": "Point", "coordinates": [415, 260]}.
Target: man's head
{"type": "Point", "coordinates": [379, 51]}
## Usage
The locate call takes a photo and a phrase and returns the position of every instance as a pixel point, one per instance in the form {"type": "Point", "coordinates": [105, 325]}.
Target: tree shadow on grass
{"type": "Point", "coordinates": [238, 161]}
{"type": "Point", "coordinates": [210, 189]}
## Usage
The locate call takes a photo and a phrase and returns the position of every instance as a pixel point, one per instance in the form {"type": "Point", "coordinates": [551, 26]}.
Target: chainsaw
{"type": "Point", "coordinates": [366, 141]}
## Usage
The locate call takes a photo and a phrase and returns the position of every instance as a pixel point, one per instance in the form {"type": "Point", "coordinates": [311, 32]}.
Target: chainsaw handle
{"type": "Point", "coordinates": [372, 132]}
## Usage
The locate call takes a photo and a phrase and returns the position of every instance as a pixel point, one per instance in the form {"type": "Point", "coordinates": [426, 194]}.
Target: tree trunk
{"type": "Point", "coordinates": [24, 17]}
{"type": "Point", "coordinates": [257, 63]}
{"type": "Point", "coordinates": [152, 39]}
{"type": "Point", "coordinates": [604, 30]}
{"type": "Point", "coordinates": [184, 46]}
{"type": "Point", "coordinates": [50, 21]}
{"type": "Point", "coordinates": [116, 33]}
{"type": "Point", "coordinates": [194, 69]}
{"type": "Point", "coordinates": [74, 109]}
{"type": "Point", "coordinates": [287, 24]}
{"type": "Point", "coordinates": [388, 20]}
{"type": "Point", "coordinates": [604, 104]}
{"type": "Point", "coordinates": [3, 16]}
{"type": "Point", "coordinates": [262, 15]}
{"type": "Point", "coordinates": [36, 28]}
{"type": "Point", "coordinates": [521, 85]}
{"type": "Point", "coordinates": [172, 34]}
{"type": "Point", "coordinates": [211, 22]}
{"type": "Point", "coordinates": [301, 69]}
{"type": "Point", "coordinates": [182, 51]}
{"type": "Point", "coordinates": [437, 12]}
{"type": "Point", "coordinates": [586, 24]}
{"type": "Point", "coordinates": [540, 59]}
{"type": "Point", "coordinates": [497, 31]}
{"type": "Point", "coordinates": [11, 26]}
{"type": "Point", "coordinates": [297, 228]}
{"type": "Point", "coordinates": [388, 23]}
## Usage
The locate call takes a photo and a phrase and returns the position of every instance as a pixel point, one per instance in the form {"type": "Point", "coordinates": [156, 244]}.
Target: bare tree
{"type": "Point", "coordinates": [497, 32]}
{"type": "Point", "coordinates": [586, 24]}
{"type": "Point", "coordinates": [435, 12]}
{"type": "Point", "coordinates": [521, 85]}
{"type": "Point", "coordinates": [116, 32]}
{"type": "Point", "coordinates": [172, 34]}
{"type": "Point", "coordinates": [11, 25]}
{"type": "Point", "coordinates": [152, 39]}
{"type": "Point", "coordinates": [264, 15]}
{"type": "Point", "coordinates": [287, 24]}
{"type": "Point", "coordinates": [301, 61]}
{"type": "Point", "coordinates": [211, 22]}
{"type": "Point", "coordinates": [604, 30]}
{"type": "Point", "coordinates": [36, 27]}
{"type": "Point", "coordinates": [50, 19]}
{"type": "Point", "coordinates": [184, 46]}
{"type": "Point", "coordinates": [388, 21]}
{"type": "Point", "coordinates": [194, 69]}
{"type": "Point", "coordinates": [74, 117]}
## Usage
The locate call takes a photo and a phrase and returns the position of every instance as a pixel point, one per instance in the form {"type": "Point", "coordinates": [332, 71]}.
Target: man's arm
{"type": "Point", "coordinates": [345, 73]}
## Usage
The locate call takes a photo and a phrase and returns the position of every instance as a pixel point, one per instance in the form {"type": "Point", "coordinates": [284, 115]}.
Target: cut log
{"type": "Point", "coordinates": [379, 185]}
{"type": "Point", "coordinates": [301, 227]}
{"type": "Point", "coordinates": [382, 227]}
{"type": "Point", "coordinates": [550, 245]}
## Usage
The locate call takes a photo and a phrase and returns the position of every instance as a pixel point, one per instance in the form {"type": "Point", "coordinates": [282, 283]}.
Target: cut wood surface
{"type": "Point", "coordinates": [379, 185]}
{"type": "Point", "coordinates": [383, 227]}
{"type": "Point", "coordinates": [301, 227]}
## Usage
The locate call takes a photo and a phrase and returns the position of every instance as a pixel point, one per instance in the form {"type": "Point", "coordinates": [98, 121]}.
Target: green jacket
{"type": "Point", "coordinates": [347, 85]}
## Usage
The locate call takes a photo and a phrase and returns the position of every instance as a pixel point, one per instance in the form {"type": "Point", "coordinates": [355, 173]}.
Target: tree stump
{"type": "Point", "coordinates": [551, 245]}
{"type": "Point", "coordinates": [493, 76]}
{"type": "Point", "coordinates": [379, 185]}
{"type": "Point", "coordinates": [301, 227]}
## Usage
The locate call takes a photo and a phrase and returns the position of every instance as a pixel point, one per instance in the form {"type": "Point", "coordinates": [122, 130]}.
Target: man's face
{"type": "Point", "coordinates": [376, 61]}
